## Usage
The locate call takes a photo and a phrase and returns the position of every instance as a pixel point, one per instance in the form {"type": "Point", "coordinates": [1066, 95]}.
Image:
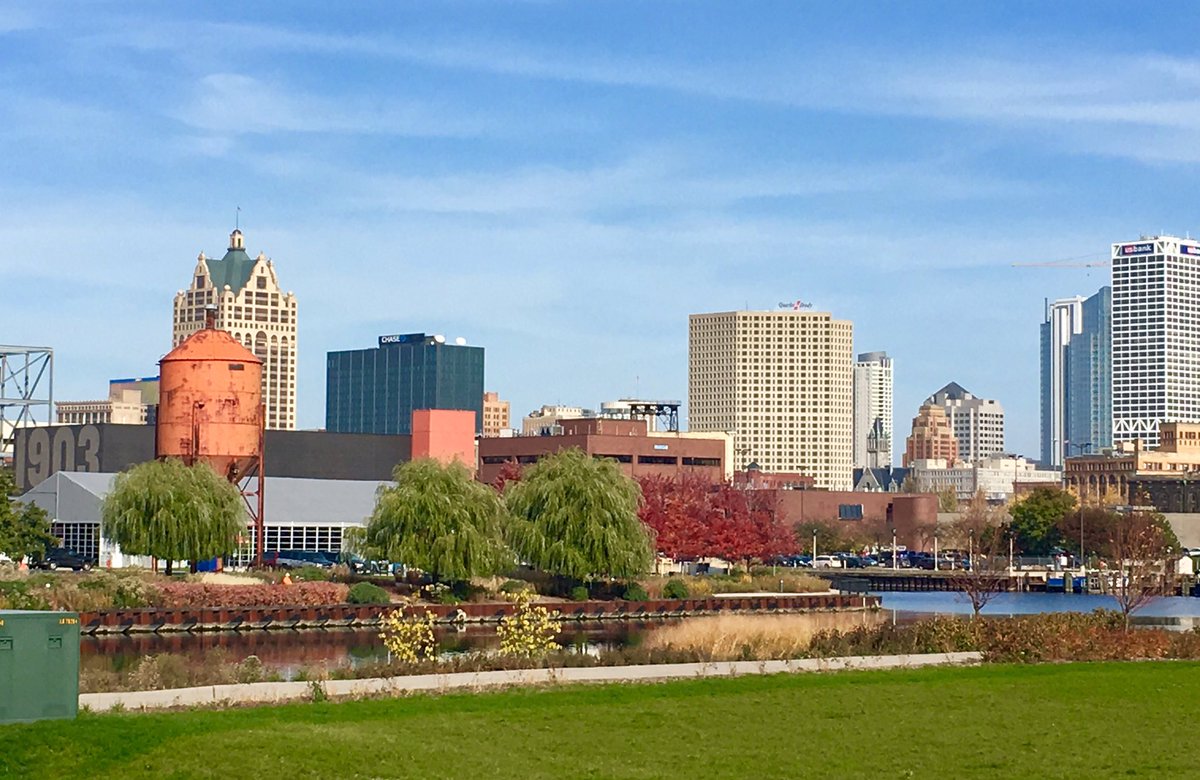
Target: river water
{"type": "Point", "coordinates": [1171, 611]}
{"type": "Point", "coordinates": [288, 651]}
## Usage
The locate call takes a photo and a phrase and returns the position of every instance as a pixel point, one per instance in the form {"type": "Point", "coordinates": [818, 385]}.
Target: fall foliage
{"type": "Point", "coordinates": [694, 518]}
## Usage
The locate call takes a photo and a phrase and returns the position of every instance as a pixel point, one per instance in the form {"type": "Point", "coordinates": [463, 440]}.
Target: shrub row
{"type": "Point", "coordinates": [194, 595]}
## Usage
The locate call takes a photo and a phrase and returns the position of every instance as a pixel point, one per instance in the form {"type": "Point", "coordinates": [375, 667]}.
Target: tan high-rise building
{"type": "Point", "coordinates": [932, 438]}
{"type": "Point", "coordinates": [251, 306]}
{"type": "Point", "coordinates": [782, 383]}
{"type": "Point", "coordinates": [497, 414]}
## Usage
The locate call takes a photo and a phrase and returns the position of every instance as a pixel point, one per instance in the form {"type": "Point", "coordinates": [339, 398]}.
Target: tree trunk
{"type": "Point", "coordinates": [169, 564]}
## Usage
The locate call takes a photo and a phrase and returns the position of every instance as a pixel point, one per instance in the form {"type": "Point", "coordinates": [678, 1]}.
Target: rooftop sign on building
{"type": "Point", "coordinates": [402, 338]}
{"type": "Point", "coordinates": [1141, 248]}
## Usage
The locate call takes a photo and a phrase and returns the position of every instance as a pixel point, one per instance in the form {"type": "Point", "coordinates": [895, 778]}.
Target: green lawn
{"type": "Point", "coordinates": [1069, 721]}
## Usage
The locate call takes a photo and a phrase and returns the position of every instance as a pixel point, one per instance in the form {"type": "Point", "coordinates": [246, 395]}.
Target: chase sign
{"type": "Point", "coordinates": [403, 338]}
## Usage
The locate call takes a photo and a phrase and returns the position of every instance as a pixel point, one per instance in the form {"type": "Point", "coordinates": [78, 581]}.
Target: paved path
{"type": "Point", "coordinates": [273, 692]}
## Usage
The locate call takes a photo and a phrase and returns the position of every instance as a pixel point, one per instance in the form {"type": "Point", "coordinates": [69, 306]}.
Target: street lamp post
{"type": "Point", "coordinates": [895, 560]}
{"type": "Point", "coordinates": [1082, 447]}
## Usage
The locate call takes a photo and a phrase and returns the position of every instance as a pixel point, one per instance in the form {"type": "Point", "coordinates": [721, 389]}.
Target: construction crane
{"type": "Point", "coordinates": [1069, 262]}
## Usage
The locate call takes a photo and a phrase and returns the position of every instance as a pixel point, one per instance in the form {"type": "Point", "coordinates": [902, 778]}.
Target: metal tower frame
{"type": "Point", "coordinates": [25, 373]}
{"type": "Point", "coordinates": [664, 413]}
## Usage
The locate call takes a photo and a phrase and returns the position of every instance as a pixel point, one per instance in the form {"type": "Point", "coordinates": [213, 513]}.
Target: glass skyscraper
{"type": "Point", "coordinates": [376, 390]}
{"type": "Point", "coordinates": [1077, 376]}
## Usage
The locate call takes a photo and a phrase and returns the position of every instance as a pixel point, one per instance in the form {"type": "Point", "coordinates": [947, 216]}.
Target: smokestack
{"type": "Point", "coordinates": [210, 316]}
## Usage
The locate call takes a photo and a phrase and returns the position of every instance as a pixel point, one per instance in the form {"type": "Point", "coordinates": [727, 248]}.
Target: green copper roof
{"type": "Point", "coordinates": [233, 269]}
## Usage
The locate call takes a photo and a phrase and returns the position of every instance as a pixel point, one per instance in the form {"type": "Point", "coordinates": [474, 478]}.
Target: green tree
{"type": "Point", "coordinates": [24, 528]}
{"type": "Point", "coordinates": [577, 516]}
{"type": "Point", "coordinates": [172, 511]}
{"type": "Point", "coordinates": [947, 500]}
{"type": "Point", "coordinates": [1037, 519]}
{"type": "Point", "coordinates": [438, 519]}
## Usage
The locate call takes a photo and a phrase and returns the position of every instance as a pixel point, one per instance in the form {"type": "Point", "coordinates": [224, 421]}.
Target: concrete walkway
{"type": "Point", "coordinates": [274, 692]}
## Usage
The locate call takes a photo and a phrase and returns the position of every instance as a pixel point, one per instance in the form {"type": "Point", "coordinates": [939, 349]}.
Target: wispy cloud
{"type": "Point", "coordinates": [232, 103]}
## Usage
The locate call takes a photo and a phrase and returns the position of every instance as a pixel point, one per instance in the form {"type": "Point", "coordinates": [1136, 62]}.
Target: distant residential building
{"type": "Point", "coordinates": [545, 421]}
{"type": "Point", "coordinates": [125, 409]}
{"type": "Point", "coordinates": [1110, 474]}
{"type": "Point", "coordinates": [782, 383]}
{"type": "Point", "coordinates": [376, 390]}
{"type": "Point", "coordinates": [1155, 336]}
{"type": "Point", "coordinates": [252, 307]}
{"type": "Point", "coordinates": [996, 477]}
{"type": "Point", "coordinates": [873, 382]}
{"type": "Point", "coordinates": [496, 414]}
{"type": "Point", "coordinates": [931, 437]}
{"type": "Point", "coordinates": [1076, 376]}
{"type": "Point", "coordinates": [146, 388]}
{"type": "Point", "coordinates": [977, 423]}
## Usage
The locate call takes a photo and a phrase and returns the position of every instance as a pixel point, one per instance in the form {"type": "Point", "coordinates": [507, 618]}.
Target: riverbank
{"type": "Point", "coordinates": [1000, 721]}
{"type": "Point", "coordinates": [155, 619]}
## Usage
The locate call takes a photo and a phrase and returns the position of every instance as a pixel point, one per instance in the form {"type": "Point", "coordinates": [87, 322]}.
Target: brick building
{"type": "Point", "coordinates": [931, 438]}
{"type": "Point", "coordinates": [638, 451]}
{"type": "Point", "coordinates": [873, 515]}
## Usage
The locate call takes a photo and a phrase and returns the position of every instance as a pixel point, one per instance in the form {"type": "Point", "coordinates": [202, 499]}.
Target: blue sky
{"type": "Point", "coordinates": [564, 182]}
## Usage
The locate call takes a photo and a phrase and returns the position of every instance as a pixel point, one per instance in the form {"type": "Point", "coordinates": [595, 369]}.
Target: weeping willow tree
{"type": "Point", "coordinates": [173, 511]}
{"type": "Point", "coordinates": [438, 519]}
{"type": "Point", "coordinates": [577, 516]}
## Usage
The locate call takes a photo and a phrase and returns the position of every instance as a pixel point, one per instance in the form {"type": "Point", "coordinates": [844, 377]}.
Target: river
{"type": "Point", "coordinates": [288, 651]}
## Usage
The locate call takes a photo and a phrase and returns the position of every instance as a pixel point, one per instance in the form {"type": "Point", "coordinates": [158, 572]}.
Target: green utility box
{"type": "Point", "coordinates": [39, 665]}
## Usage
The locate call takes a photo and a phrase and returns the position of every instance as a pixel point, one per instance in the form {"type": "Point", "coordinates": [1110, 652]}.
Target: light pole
{"type": "Point", "coordinates": [895, 560]}
{"type": "Point", "coordinates": [814, 560]}
{"type": "Point", "coordinates": [935, 550]}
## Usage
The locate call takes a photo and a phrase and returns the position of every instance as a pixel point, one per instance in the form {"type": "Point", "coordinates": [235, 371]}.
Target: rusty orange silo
{"type": "Point", "coordinates": [210, 404]}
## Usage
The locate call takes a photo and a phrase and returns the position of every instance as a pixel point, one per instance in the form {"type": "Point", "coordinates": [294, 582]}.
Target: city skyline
{"type": "Point", "coordinates": [458, 169]}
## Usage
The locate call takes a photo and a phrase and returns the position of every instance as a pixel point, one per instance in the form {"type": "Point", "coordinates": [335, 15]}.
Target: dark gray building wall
{"type": "Point", "coordinates": [40, 452]}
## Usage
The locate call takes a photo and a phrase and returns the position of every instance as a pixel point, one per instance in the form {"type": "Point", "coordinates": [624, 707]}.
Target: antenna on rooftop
{"type": "Point", "coordinates": [237, 219]}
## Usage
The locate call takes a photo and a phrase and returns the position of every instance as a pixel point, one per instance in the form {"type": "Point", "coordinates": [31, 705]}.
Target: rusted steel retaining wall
{"type": "Point", "coordinates": [354, 615]}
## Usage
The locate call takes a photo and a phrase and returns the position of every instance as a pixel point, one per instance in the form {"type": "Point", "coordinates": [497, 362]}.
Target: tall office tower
{"type": "Point", "coordinates": [873, 411]}
{"type": "Point", "coordinates": [977, 423]}
{"type": "Point", "coordinates": [376, 390]}
{"type": "Point", "coordinates": [782, 383]}
{"type": "Point", "coordinates": [1076, 376]}
{"type": "Point", "coordinates": [1155, 336]}
{"type": "Point", "coordinates": [251, 306]}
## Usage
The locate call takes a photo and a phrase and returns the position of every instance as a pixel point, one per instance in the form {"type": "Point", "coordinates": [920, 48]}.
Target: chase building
{"type": "Point", "coordinates": [376, 390]}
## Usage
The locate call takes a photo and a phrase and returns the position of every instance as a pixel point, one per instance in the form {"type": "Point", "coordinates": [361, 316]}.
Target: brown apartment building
{"type": "Point", "coordinates": [628, 442]}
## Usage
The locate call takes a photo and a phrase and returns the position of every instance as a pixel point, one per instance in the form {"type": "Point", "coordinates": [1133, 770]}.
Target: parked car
{"type": "Point", "coordinates": [295, 559]}
{"type": "Point", "coordinates": [827, 562]}
{"type": "Point", "coordinates": [63, 558]}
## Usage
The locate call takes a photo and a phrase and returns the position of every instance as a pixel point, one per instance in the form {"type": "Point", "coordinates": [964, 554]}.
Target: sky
{"type": "Point", "coordinates": [564, 182]}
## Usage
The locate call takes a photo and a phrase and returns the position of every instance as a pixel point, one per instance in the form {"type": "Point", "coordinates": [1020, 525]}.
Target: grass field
{"type": "Point", "coordinates": [1051, 721]}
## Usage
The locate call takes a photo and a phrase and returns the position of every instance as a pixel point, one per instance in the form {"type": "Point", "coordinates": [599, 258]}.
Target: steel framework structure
{"type": "Point", "coordinates": [664, 413]}
{"type": "Point", "coordinates": [26, 387]}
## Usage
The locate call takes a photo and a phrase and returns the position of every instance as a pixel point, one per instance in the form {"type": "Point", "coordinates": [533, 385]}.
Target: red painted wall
{"type": "Point", "coordinates": [445, 435]}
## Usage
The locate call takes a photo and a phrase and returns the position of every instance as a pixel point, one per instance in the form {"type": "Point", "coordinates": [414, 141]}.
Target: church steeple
{"type": "Point", "coordinates": [236, 241]}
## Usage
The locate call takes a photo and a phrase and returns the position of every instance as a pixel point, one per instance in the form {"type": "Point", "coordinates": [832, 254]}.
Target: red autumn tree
{"type": "Point", "coordinates": [509, 472]}
{"type": "Point", "coordinates": [677, 510]}
{"type": "Point", "coordinates": [694, 518]}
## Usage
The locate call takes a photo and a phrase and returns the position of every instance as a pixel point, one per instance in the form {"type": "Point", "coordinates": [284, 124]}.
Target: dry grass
{"type": "Point", "coordinates": [707, 585]}
{"type": "Point", "coordinates": [753, 637]}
